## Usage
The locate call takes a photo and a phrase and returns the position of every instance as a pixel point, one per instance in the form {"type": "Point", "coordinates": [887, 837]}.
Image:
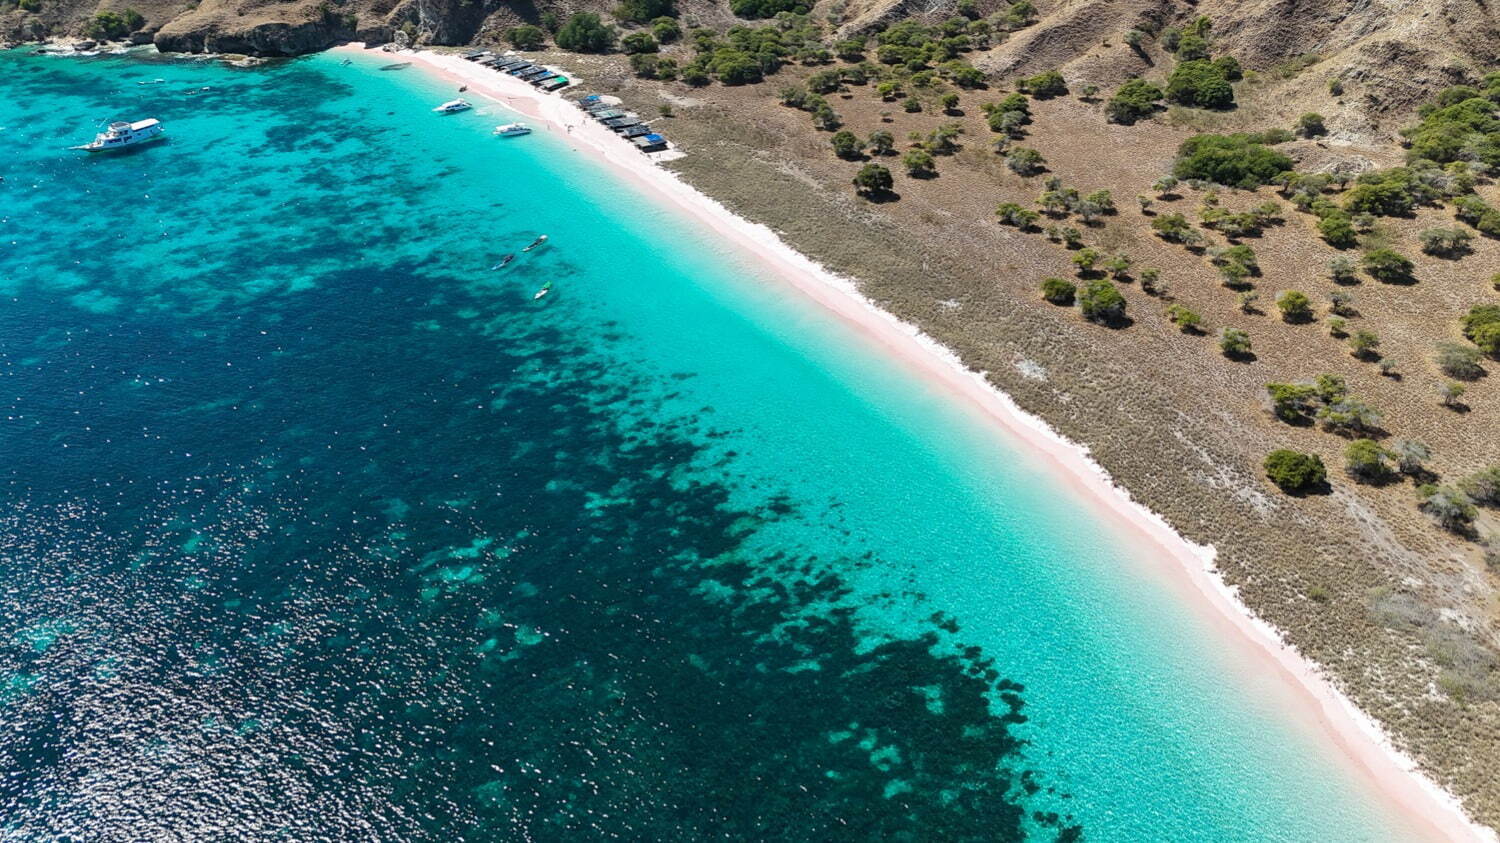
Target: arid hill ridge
{"type": "Point", "coordinates": [1394, 53]}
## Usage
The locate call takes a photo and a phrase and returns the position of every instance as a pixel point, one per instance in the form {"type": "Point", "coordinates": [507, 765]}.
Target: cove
{"type": "Point", "coordinates": [314, 524]}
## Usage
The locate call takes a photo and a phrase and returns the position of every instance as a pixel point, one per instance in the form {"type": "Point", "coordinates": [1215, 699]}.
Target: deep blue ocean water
{"type": "Point", "coordinates": [313, 526]}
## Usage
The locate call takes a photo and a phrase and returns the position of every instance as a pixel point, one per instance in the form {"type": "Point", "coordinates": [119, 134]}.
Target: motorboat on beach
{"type": "Point", "coordinates": [510, 130]}
{"type": "Point", "coordinates": [121, 134]}
{"type": "Point", "coordinates": [453, 106]}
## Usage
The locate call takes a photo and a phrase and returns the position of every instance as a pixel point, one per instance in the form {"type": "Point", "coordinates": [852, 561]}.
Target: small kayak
{"type": "Point", "coordinates": [504, 261]}
{"type": "Point", "coordinates": [346, 62]}
{"type": "Point", "coordinates": [546, 288]}
{"type": "Point", "coordinates": [150, 81]}
{"type": "Point", "coordinates": [535, 243]}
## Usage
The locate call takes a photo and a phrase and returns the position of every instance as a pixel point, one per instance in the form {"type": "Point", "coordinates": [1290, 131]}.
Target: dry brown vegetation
{"type": "Point", "coordinates": [1402, 612]}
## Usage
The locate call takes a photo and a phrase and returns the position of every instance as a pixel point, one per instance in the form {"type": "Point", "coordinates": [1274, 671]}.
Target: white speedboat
{"type": "Point", "coordinates": [121, 134]}
{"type": "Point", "coordinates": [510, 130]}
{"type": "Point", "coordinates": [453, 107]}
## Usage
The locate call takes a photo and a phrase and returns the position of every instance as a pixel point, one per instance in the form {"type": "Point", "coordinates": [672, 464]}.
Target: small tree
{"type": "Point", "coordinates": [1164, 186]}
{"type": "Point", "coordinates": [1483, 486]}
{"type": "Point", "coordinates": [526, 37]}
{"type": "Point", "coordinates": [1445, 242]}
{"type": "Point", "coordinates": [1293, 471]}
{"type": "Point", "coordinates": [1118, 266]}
{"type": "Point", "coordinates": [1101, 302]}
{"type": "Point", "coordinates": [1294, 306]}
{"type": "Point", "coordinates": [1085, 259]}
{"type": "Point", "coordinates": [638, 42]}
{"type": "Point", "coordinates": [1151, 283]}
{"type": "Point", "coordinates": [1248, 299]}
{"type": "Point", "coordinates": [1349, 415]}
{"type": "Point", "coordinates": [846, 144]}
{"type": "Point", "coordinates": [1025, 161]}
{"type": "Point", "coordinates": [1410, 455]}
{"type": "Point", "coordinates": [911, 105]}
{"type": "Point", "coordinates": [1363, 344]}
{"type": "Point", "coordinates": [1293, 403]}
{"type": "Point", "coordinates": [1458, 361]}
{"type": "Point", "coordinates": [1388, 266]}
{"type": "Point", "coordinates": [1186, 320]}
{"type": "Point", "coordinates": [1451, 393]}
{"type": "Point", "coordinates": [950, 102]}
{"type": "Point", "coordinates": [1012, 214]}
{"type": "Point", "coordinates": [1342, 270]}
{"type": "Point", "coordinates": [1450, 507]}
{"type": "Point", "coordinates": [1337, 327]}
{"type": "Point", "coordinates": [1341, 302]}
{"type": "Point", "coordinates": [918, 163]}
{"type": "Point", "coordinates": [585, 33]}
{"type": "Point", "coordinates": [1234, 342]}
{"type": "Point", "coordinates": [1058, 291]}
{"type": "Point", "coordinates": [1366, 461]}
{"type": "Point", "coordinates": [873, 180]}
{"type": "Point", "coordinates": [882, 142]}
{"type": "Point", "coordinates": [1310, 125]}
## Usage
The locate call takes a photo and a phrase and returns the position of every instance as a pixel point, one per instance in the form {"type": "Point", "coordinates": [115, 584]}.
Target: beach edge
{"type": "Point", "coordinates": [1360, 739]}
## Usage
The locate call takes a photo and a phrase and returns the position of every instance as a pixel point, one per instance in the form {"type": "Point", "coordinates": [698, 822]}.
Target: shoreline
{"type": "Point", "coordinates": [1262, 649]}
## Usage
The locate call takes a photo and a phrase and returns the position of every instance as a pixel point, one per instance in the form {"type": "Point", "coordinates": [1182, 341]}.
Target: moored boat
{"type": "Point", "coordinates": [453, 106]}
{"type": "Point", "coordinates": [510, 130]}
{"type": "Point", "coordinates": [121, 134]}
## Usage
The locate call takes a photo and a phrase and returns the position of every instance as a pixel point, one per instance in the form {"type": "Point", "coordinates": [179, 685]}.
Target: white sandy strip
{"type": "Point", "coordinates": [1296, 684]}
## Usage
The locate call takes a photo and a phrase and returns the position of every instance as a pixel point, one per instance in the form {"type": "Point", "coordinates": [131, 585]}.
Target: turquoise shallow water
{"type": "Point", "coordinates": [314, 526]}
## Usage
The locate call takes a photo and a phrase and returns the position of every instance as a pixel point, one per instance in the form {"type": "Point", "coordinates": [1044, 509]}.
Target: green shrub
{"type": "Point", "coordinates": [1058, 291]}
{"type": "Point", "coordinates": [1134, 100]}
{"type": "Point", "coordinates": [1293, 471]}
{"type": "Point", "coordinates": [1025, 161]}
{"type": "Point", "coordinates": [1293, 403]}
{"type": "Point", "coordinates": [1366, 461]}
{"type": "Point", "coordinates": [1234, 342]}
{"type": "Point", "coordinates": [1310, 125]}
{"type": "Point", "coordinates": [846, 144]}
{"type": "Point", "coordinates": [1233, 160]}
{"type": "Point", "coordinates": [112, 25]}
{"type": "Point", "coordinates": [1457, 130]}
{"type": "Point", "coordinates": [1387, 265]}
{"type": "Point", "coordinates": [585, 33]}
{"type": "Point", "coordinates": [919, 163]}
{"type": "Point", "coordinates": [1393, 193]}
{"type": "Point", "coordinates": [526, 37]}
{"type": "Point", "coordinates": [873, 180]}
{"type": "Point", "coordinates": [1295, 306]}
{"type": "Point", "coordinates": [1101, 302]}
{"type": "Point", "coordinates": [666, 30]}
{"type": "Point", "coordinates": [1337, 228]}
{"type": "Point", "coordinates": [1044, 85]}
{"type": "Point", "coordinates": [644, 11]}
{"type": "Point", "coordinates": [638, 42]}
{"type": "Point", "coordinates": [1449, 506]}
{"type": "Point", "coordinates": [1482, 326]}
{"type": "Point", "coordinates": [1173, 228]}
{"type": "Point", "coordinates": [1201, 84]}
{"type": "Point", "coordinates": [768, 8]}
{"type": "Point", "coordinates": [1012, 214]}
{"type": "Point", "coordinates": [1187, 321]}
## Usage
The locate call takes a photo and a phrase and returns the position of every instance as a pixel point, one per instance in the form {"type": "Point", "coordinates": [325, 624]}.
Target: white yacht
{"type": "Point", "coordinates": [121, 134]}
{"type": "Point", "coordinates": [510, 130]}
{"type": "Point", "coordinates": [453, 107]}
